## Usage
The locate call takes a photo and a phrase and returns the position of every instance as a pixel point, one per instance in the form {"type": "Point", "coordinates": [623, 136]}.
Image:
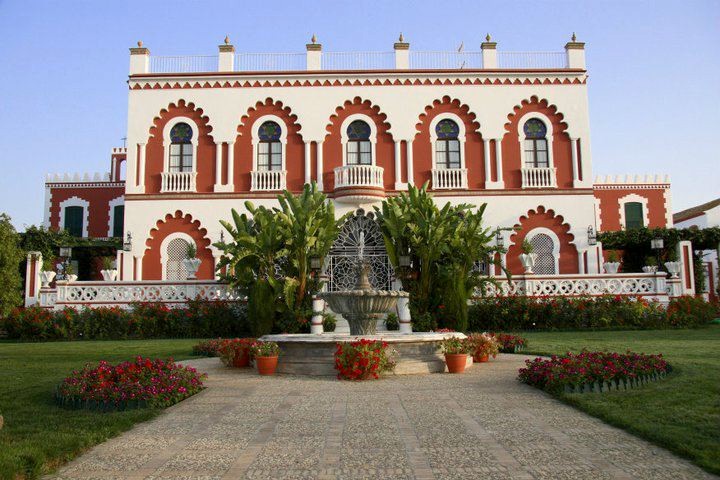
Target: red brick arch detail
{"type": "Point", "coordinates": [177, 222]}
{"type": "Point", "coordinates": [513, 156]}
{"type": "Point", "coordinates": [205, 153]}
{"type": "Point", "coordinates": [295, 150]}
{"type": "Point", "coordinates": [474, 151]}
{"type": "Point", "coordinates": [384, 147]}
{"type": "Point", "coordinates": [540, 217]}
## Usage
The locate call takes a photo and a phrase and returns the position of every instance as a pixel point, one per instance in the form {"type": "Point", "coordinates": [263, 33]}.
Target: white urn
{"type": "Point", "coordinates": [673, 268]}
{"type": "Point", "coordinates": [650, 269]}
{"type": "Point", "coordinates": [71, 277]}
{"type": "Point", "coordinates": [611, 267]}
{"type": "Point", "coordinates": [109, 275]}
{"type": "Point", "coordinates": [46, 276]}
{"type": "Point", "coordinates": [528, 261]}
{"type": "Point", "coordinates": [191, 267]}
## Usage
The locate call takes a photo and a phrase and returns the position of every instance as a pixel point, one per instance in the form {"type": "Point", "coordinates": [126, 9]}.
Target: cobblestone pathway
{"type": "Point", "coordinates": [480, 425]}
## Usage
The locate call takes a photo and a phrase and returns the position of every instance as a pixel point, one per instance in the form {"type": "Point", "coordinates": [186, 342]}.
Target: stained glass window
{"type": "Point", "coordinates": [358, 130]}
{"type": "Point", "coordinates": [181, 133]}
{"type": "Point", "coordinates": [269, 132]}
{"type": "Point", "coordinates": [535, 144]}
{"type": "Point", "coordinates": [447, 129]}
{"type": "Point", "coordinates": [535, 128]}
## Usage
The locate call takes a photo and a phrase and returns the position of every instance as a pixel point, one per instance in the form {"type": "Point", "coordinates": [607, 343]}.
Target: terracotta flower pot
{"type": "Point", "coordinates": [242, 358]}
{"type": "Point", "coordinates": [456, 362]}
{"type": "Point", "coordinates": [481, 358]}
{"type": "Point", "coordinates": [266, 365]}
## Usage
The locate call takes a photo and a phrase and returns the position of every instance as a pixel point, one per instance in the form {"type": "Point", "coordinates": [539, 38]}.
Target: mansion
{"type": "Point", "coordinates": [206, 133]}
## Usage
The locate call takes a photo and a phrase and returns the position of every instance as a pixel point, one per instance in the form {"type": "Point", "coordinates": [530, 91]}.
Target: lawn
{"type": "Point", "coordinates": [681, 413]}
{"type": "Point", "coordinates": [38, 436]}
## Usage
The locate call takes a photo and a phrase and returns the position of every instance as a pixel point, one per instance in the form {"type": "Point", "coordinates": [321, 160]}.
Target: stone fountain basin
{"type": "Point", "coordinates": [313, 354]}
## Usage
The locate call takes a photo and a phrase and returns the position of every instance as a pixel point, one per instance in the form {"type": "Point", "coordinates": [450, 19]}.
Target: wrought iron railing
{"type": "Point", "coordinates": [184, 64]}
{"type": "Point", "coordinates": [445, 60]}
{"type": "Point", "coordinates": [268, 62]}
{"type": "Point", "coordinates": [531, 60]}
{"type": "Point", "coordinates": [358, 60]}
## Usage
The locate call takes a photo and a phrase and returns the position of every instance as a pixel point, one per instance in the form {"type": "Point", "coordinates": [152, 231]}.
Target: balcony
{"type": "Point", "coordinates": [539, 177]}
{"type": "Point", "coordinates": [178, 182]}
{"type": "Point", "coordinates": [268, 180]}
{"type": "Point", "coordinates": [351, 176]}
{"type": "Point", "coordinates": [449, 178]}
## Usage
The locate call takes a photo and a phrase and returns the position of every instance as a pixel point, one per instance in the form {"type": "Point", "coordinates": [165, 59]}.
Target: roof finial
{"type": "Point", "coordinates": [401, 39]}
{"type": "Point", "coordinates": [488, 37]}
{"type": "Point", "coordinates": [139, 43]}
{"type": "Point", "coordinates": [574, 38]}
{"type": "Point", "coordinates": [227, 39]}
{"type": "Point", "coordinates": [313, 39]}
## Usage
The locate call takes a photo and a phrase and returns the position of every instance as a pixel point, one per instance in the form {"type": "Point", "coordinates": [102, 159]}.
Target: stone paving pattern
{"type": "Point", "coordinates": [483, 424]}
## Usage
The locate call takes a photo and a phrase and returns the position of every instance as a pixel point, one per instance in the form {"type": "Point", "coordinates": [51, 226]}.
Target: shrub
{"type": "Point", "coordinates": [392, 322]}
{"type": "Point", "coordinates": [363, 359]}
{"type": "Point", "coordinates": [510, 343]}
{"type": "Point", "coordinates": [155, 383]}
{"type": "Point", "coordinates": [482, 344]}
{"type": "Point", "coordinates": [589, 367]}
{"type": "Point", "coordinates": [235, 352]}
{"type": "Point", "coordinates": [207, 348]}
{"type": "Point", "coordinates": [424, 322]}
{"type": "Point", "coordinates": [688, 311]}
{"type": "Point", "coordinates": [329, 321]}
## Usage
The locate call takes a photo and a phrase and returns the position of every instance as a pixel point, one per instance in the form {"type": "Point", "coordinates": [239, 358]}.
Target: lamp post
{"type": "Point", "coordinates": [657, 244]}
{"type": "Point", "coordinates": [499, 239]}
{"type": "Point", "coordinates": [127, 245]}
{"type": "Point", "coordinates": [592, 236]}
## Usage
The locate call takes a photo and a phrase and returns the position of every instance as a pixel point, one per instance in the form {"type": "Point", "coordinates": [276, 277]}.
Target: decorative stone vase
{"type": "Point", "coordinates": [649, 269]}
{"type": "Point", "coordinates": [46, 277]}
{"type": "Point", "coordinates": [266, 365]}
{"type": "Point", "coordinates": [673, 268]}
{"type": "Point", "coordinates": [528, 261]}
{"type": "Point", "coordinates": [191, 267]}
{"type": "Point", "coordinates": [71, 278]}
{"type": "Point", "coordinates": [611, 267]}
{"type": "Point", "coordinates": [456, 362]}
{"type": "Point", "coordinates": [242, 358]}
{"type": "Point", "coordinates": [109, 275]}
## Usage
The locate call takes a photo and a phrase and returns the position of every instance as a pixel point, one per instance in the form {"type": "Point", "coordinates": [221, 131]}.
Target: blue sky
{"type": "Point", "coordinates": [654, 72]}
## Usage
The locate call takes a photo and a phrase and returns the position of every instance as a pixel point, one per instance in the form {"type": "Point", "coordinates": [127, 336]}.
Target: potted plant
{"type": "Point", "coordinates": [651, 265]}
{"type": "Point", "coordinates": [46, 276]}
{"type": "Point", "coordinates": [70, 275]}
{"type": "Point", "coordinates": [527, 258]}
{"type": "Point", "coordinates": [191, 263]}
{"type": "Point", "coordinates": [266, 356]}
{"type": "Point", "coordinates": [329, 321]}
{"type": "Point", "coordinates": [672, 265]}
{"type": "Point", "coordinates": [236, 352]}
{"type": "Point", "coordinates": [456, 353]}
{"type": "Point", "coordinates": [109, 273]}
{"type": "Point", "coordinates": [613, 263]}
{"type": "Point", "coordinates": [482, 346]}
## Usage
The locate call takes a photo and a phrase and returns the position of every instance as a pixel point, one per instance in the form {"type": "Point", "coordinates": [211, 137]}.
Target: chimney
{"type": "Point", "coordinates": [314, 54]}
{"type": "Point", "coordinates": [226, 57]}
{"type": "Point", "coordinates": [575, 53]}
{"type": "Point", "coordinates": [139, 59]}
{"type": "Point", "coordinates": [489, 53]}
{"type": "Point", "coordinates": [402, 54]}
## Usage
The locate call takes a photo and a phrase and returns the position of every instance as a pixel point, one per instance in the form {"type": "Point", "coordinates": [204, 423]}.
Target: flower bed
{"type": "Point", "coordinates": [363, 359]}
{"type": "Point", "coordinates": [510, 343]}
{"type": "Point", "coordinates": [141, 383]}
{"type": "Point", "coordinates": [593, 371]}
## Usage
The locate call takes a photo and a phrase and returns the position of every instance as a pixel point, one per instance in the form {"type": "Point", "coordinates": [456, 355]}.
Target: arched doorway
{"type": "Point", "coordinates": [343, 257]}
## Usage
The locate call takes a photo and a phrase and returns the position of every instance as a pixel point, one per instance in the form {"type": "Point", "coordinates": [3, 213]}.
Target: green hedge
{"type": "Point", "coordinates": [552, 313]}
{"type": "Point", "coordinates": [199, 319]}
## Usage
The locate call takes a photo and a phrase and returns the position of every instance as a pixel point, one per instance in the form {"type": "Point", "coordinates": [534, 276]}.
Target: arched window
{"type": "Point", "coordinates": [447, 145]}
{"type": "Point", "coordinates": [536, 144]}
{"type": "Point", "coordinates": [269, 150]}
{"type": "Point", "coordinates": [544, 247]}
{"type": "Point", "coordinates": [181, 149]}
{"type": "Point", "coordinates": [176, 252]}
{"type": "Point", "coordinates": [358, 148]}
{"type": "Point", "coordinates": [634, 215]}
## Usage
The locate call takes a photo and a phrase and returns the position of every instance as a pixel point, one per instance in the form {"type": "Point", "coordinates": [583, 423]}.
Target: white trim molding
{"type": "Point", "coordinates": [75, 202]}
{"type": "Point", "coordinates": [344, 136]}
{"type": "Point", "coordinates": [167, 141]}
{"type": "Point", "coordinates": [629, 199]}
{"type": "Point", "coordinates": [256, 138]}
{"type": "Point", "coordinates": [117, 201]}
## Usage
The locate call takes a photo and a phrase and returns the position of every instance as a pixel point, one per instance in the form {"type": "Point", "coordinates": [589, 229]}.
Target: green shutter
{"type": "Point", "coordinates": [74, 220]}
{"type": "Point", "coordinates": [119, 220]}
{"type": "Point", "coordinates": [634, 215]}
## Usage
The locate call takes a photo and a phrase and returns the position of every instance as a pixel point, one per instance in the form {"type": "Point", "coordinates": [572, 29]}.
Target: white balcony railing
{"type": "Point", "coordinates": [449, 178]}
{"type": "Point", "coordinates": [178, 182]}
{"type": "Point", "coordinates": [267, 180]}
{"type": "Point", "coordinates": [539, 177]}
{"type": "Point", "coordinates": [359, 176]}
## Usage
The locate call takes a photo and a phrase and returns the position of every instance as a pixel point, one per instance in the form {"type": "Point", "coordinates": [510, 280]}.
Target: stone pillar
{"type": "Point", "coordinates": [218, 166]}
{"type": "Point", "coordinates": [308, 170]}
{"type": "Point", "coordinates": [498, 162]}
{"type": "Point", "coordinates": [316, 324]}
{"type": "Point", "coordinates": [687, 272]}
{"type": "Point", "coordinates": [226, 57]}
{"type": "Point", "coordinates": [409, 152]}
{"type": "Point", "coordinates": [314, 54]}
{"type": "Point", "coordinates": [403, 309]}
{"type": "Point", "coordinates": [488, 178]}
{"type": "Point", "coordinates": [141, 168]}
{"type": "Point", "coordinates": [32, 277]}
{"type": "Point", "coordinates": [575, 52]}
{"type": "Point", "coordinates": [402, 54]}
{"type": "Point", "coordinates": [139, 59]}
{"type": "Point", "coordinates": [489, 53]}
{"type": "Point", "coordinates": [319, 160]}
{"type": "Point", "coordinates": [574, 155]}
{"type": "Point", "coordinates": [230, 185]}
{"type": "Point", "coordinates": [398, 173]}
{"type": "Point", "coordinates": [581, 262]}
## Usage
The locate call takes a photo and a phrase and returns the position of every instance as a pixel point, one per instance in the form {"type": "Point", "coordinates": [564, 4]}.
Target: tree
{"type": "Point", "coordinates": [10, 257]}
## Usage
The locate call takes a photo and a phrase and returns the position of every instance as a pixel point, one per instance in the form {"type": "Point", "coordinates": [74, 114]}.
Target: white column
{"type": "Point", "coordinates": [410, 173]}
{"type": "Point", "coordinates": [319, 165]}
{"type": "Point", "coordinates": [574, 154]}
{"type": "Point", "coordinates": [138, 271]}
{"type": "Point", "coordinates": [141, 168]}
{"type": "Point", "coordinates": [316, 323]}
{"type": "Point", "coordinates": [398, 174]}
{"type": "Point", "coordinates": [498, 162]}
{"type": "Point", "coordinates": [218, 166]}
{"type": "Point", "coordinates": [581, 262]}
{"type": "Point", "coordinates": [403, 309]}
{"type": "Point", "coordinates": [308, 173]}
{"type": "Point", "coordinates": [231, 166]}
{"type": "Point", "coordinates": [488, 179]}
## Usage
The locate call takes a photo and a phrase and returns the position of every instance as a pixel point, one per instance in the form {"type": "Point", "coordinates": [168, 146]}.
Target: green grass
{"type": "Point", "coordinates": [680, 413]}
{"type": "Point", "coordinates": [38, 436]}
